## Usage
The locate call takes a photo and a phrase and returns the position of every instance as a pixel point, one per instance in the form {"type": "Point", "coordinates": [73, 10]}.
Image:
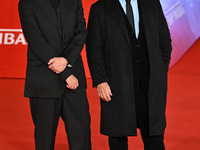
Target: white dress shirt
{"type": "Point", "coordinates": [134, 4]}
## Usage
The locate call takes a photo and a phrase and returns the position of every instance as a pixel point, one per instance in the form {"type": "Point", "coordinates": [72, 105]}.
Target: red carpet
{"type": "Point", "coordinates": [183, 112]}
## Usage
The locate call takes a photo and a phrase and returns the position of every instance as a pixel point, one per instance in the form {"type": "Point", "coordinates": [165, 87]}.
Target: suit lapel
{"type": "Point", "coordinates": [49, 10]}
{"type": "Point", "coordinates": [66, 8]}
{"type": "Point", "coordinates": [115, 11]}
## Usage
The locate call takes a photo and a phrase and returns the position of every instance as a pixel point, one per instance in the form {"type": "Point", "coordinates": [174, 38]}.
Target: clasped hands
{"type": "Point", "coordinates": [58, 65]}
{"type": "Point", "coordinates": [104, 91]}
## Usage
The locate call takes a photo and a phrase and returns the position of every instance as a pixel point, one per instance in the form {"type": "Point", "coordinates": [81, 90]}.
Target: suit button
{"type": "Point", "coordinates": [126, 69]}
{"type": "Point", "coordinates": [139, 61]}
{"type": "Point", "coordinates": [126, 50]}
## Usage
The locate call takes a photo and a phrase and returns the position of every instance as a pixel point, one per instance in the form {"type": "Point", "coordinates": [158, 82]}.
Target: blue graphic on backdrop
{"type": "Point", "coordinates": [183, 17]}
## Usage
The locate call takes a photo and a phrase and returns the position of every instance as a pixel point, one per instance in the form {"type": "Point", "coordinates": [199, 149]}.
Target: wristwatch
{"type": "Point", "coordinates": [69, 65]}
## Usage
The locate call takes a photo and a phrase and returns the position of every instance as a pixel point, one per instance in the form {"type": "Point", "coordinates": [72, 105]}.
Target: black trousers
{"type": "Point", "coordinates": [150, 142]}
{"type": "Point", "coordinates": [74, 111]}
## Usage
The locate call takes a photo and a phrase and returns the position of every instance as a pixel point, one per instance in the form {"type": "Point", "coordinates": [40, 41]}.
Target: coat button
{"type": "Point", "coordinates": [138, 46]}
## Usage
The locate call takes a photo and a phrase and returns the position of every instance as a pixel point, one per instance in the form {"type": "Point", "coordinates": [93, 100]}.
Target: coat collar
{"type": "Point", "coordinates": [144, 7]}
{"type": "Point", "coordinates": [115, 11]}
{"type": "Point", "coordinates": [113, 7]}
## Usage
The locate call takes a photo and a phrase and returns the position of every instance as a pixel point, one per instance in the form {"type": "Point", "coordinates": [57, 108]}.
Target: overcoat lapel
{"type": "Point", "coordinates": [116, 13]}
{"type": "Point", "coordinates": [144, 9]}
{"type": "Point", "coordinates": [49, 10]}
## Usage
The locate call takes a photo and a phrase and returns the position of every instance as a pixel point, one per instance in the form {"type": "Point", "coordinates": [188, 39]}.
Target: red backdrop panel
{"type": "Point", "coordinates": [12, 52]}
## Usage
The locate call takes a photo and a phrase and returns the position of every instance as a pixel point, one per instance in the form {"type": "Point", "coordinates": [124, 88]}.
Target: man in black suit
{"type": "Point", "coordinates": [128, 49]}
{"type": "Point", "coordinates": [55, 81]}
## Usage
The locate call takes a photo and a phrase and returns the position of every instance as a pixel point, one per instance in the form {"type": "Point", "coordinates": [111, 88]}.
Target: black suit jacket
{"type": "Point", "coordinates": [110, 60]}
{"type": "Point", "coordinates": [40, 26]}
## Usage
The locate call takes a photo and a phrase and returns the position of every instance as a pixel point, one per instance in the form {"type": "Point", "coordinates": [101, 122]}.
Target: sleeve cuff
{"type": "Point", "coordinates": [96, 83]}
{"type": "Point", "coordinates": [66, 73]}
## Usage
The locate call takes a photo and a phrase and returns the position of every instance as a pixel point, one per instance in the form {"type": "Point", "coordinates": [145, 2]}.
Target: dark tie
{"type": "Point", "coordinates": [129, 13]}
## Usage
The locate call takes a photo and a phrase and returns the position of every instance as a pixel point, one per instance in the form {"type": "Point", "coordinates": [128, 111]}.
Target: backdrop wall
{"type": "Point", "coordinates": [182, 16]}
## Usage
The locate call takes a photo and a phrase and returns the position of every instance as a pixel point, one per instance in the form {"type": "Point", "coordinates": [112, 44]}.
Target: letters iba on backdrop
{"type": "Point", "coordinates": [12, 38]}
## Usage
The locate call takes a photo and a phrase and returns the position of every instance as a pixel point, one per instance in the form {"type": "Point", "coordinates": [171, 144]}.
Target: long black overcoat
{"type": "Point", "coordinates": [110, 60]}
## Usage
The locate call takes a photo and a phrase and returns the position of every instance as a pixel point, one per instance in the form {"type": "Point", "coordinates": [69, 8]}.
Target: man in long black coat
{"type": "Point", "coordinates": [55, 80]}
{"type": "Point", "coordinates": [128, 50]}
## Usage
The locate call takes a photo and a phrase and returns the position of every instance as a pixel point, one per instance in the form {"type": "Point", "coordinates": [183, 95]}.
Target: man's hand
{"type": "Point", "coordinates": [104, 91]}
{"type": "Point", "coordinates": [57, 64]}
{"type": "Point", "coordinates": [72, 82]}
